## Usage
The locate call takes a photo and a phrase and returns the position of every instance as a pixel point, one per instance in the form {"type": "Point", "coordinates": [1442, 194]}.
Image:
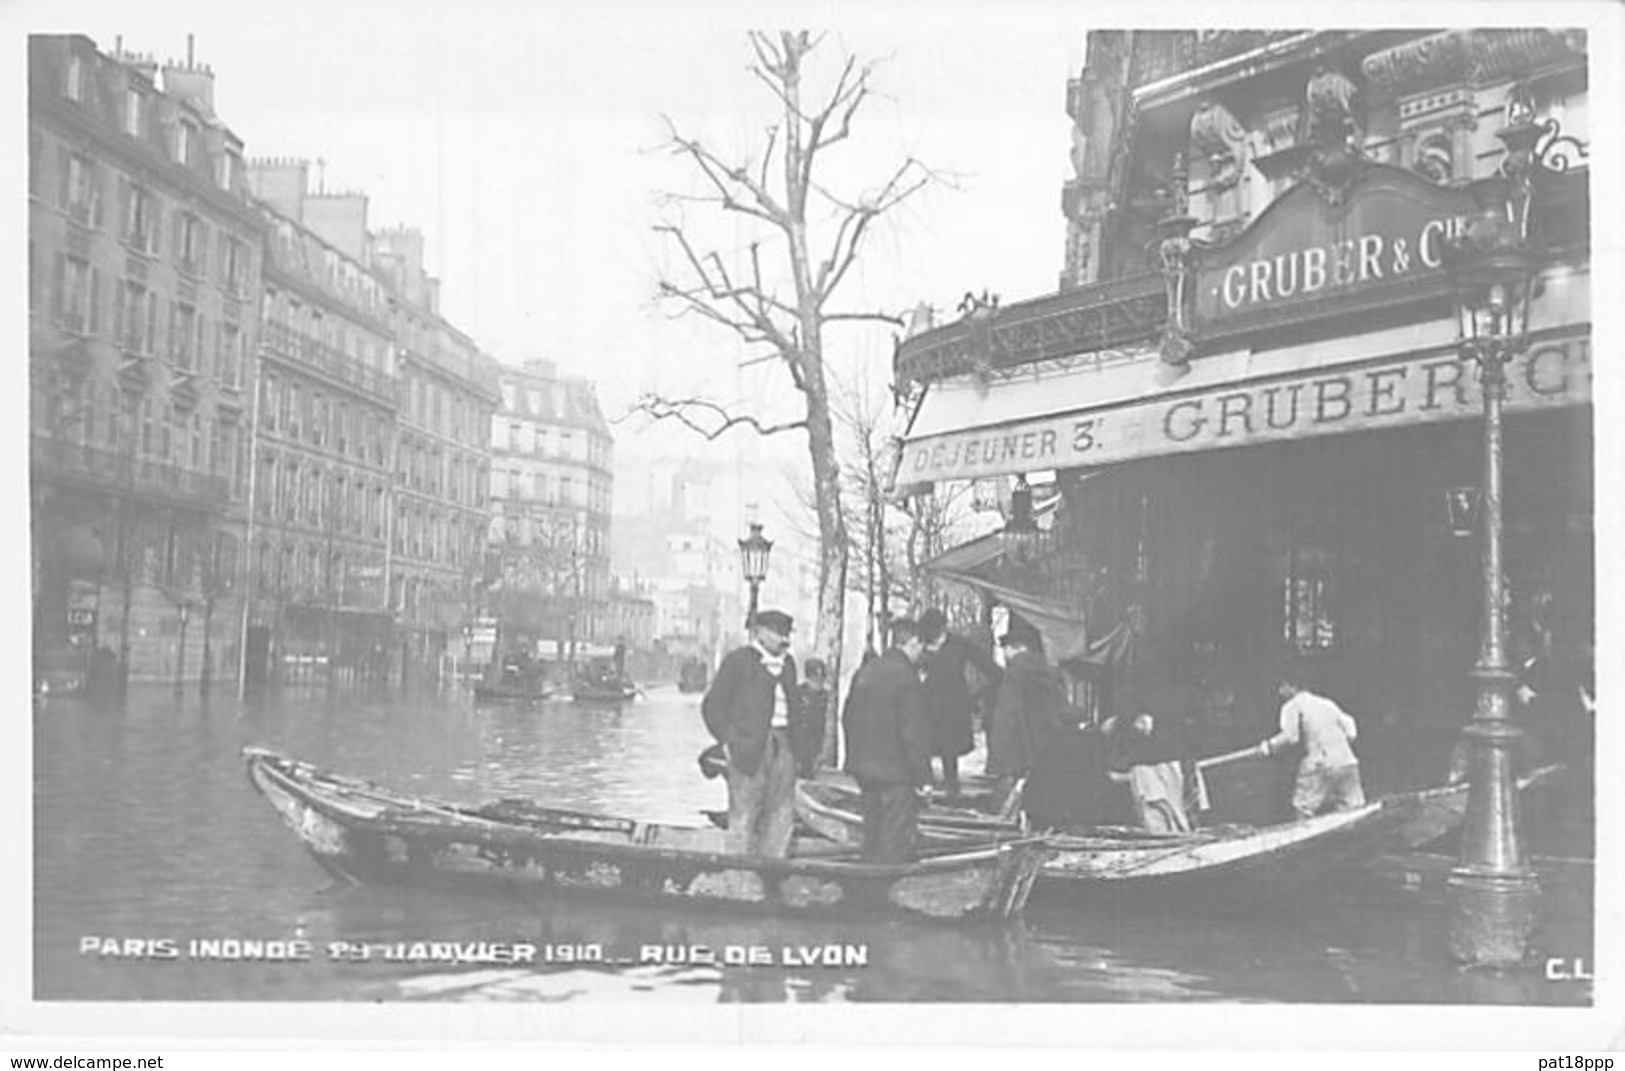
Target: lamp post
{"type": "Point", "coordinates": [754, 552]}
{"type": "Point", "coordinates": [1021, 534]}
{"type": "Point", "coordinates": [1494, 895]}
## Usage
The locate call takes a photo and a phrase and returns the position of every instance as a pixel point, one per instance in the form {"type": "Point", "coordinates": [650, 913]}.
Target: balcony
{"type": "Point", "coordinates": [281, 340]}
{"type": "Point", "coordinates": [105, 470]}
{"type": "Point", "coordinates": [1107, 314]}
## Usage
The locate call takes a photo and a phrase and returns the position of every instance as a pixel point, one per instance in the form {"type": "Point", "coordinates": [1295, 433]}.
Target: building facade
{"type": "Point", "coordinates": [1251, 393]}
{"type": "Point", "coordinates": [144, 268]}
{"type": "Point", "coordinates": [442, 463]}
{"type": "Point", "coordinates": [552, 484]}
{"type": "Point", "coordinates": [328, 402]}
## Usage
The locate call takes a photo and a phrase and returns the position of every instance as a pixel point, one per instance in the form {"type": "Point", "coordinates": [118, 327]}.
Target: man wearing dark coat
{"type": "Point", "coordinates": [1027, 717]}
{"type": "Point", "coordinates": [753, 709]}
{"type": "Point", "coordinates": [948, 700]}
{"type": "Point", "coordinates": [888, 745]}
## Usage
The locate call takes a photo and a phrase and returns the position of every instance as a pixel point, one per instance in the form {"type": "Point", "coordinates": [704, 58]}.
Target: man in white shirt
{"type": "Point", "coordinates": [1329, 772]}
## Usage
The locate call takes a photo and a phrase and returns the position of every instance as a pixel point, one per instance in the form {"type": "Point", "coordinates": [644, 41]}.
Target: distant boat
{"type": "Point", "coordinates": [364, 833]}
{"type": "Point", "coordinates": [511, 693]}
{"type": "Point", "coordinates": [693, 677]}
{"type": "Point", "coordinates": [603, 691]}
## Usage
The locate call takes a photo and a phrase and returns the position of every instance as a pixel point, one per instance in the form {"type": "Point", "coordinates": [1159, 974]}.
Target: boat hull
{"type": "Point", "coordinates": [362, 834]}
{"type": "Point", "coordinates": [1227, 864]}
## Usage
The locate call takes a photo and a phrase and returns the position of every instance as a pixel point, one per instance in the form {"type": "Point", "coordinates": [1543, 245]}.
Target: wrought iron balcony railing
{"type": "Point", "coordinates": [1103, 315]}
{"type": "Point", "coordinates": [123, 473]}
{"type": "Point", "coordinates": [282, 340]}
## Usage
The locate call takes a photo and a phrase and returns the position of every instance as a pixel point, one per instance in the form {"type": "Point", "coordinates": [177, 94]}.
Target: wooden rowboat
{"type": "Point", "coordinates": [363, 833]}
{"type": "Point", "coordinates": [509, 693]}
{"type": "Point", "coordinates": [604, 691]}
{"type": "Point", "coordinates": [1224, 864]}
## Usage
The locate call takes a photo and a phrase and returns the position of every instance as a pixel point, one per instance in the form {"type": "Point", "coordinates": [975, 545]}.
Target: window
{"type": "Point", "coordinates": [78, 287]}
{"type": "Point", "coordinates": [513, 438]}
{"type": "Point", "coordinates": [183, 326]}
{"type": "Point", "coordinates": [141, 218]}
{"type": "Point", "coordinates": [74, 87]}
{"type": "Point", "coordinates": [191, 243]}
{"type": "Point", "coordinates": [36, 164]}
{"type": "Point", "coordinates": [233, 265]}
{"type": "Point", "coordinates": [186, 142]}
{"type": "Point", "coordinates": [228, 359]}
{"type": "Point", "coordinates": [229, 167]}
{"type": "Point", "coordinates": [1307, 600]}
{"type": "Point", "coordinates": [135, 111]}
{"type": "Point", "coordinates": [80, 194]}
{"type": "Point", "coordinates": [135, 318]}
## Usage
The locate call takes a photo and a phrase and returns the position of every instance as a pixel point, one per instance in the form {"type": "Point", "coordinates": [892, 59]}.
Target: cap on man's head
{"type": "Point", "coordinates": [775, 621]}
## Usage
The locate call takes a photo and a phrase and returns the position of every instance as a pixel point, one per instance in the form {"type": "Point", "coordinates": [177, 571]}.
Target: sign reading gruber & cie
{"type": "Point", "coordinates": [1383, 243]}
{"type": "Point", "coordinates": [1412, 389]}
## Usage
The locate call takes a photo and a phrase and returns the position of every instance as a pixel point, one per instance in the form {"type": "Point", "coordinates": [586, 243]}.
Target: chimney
{"type": "Point", "coordinates": [281, 183]}
{"type": "Point", "coordinates": [193, 82]}
{"type": "Point", "coordinates": [139, 62]}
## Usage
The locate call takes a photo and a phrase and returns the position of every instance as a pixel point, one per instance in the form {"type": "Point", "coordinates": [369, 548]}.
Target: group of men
{"type": "Point", "coordinates": [914, 702]}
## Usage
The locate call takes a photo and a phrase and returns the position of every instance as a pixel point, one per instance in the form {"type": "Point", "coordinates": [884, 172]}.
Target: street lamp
{"type": "Point", "coordinates": [1492, 269]}
{"type": "Point", "coordinates": [754, 552]}
{"type": "Point", "coordinates": [1021, 533]}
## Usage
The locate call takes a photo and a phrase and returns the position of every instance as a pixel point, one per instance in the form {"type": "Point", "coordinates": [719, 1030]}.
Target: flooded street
{"type": "Point", "coordinates": [146, 829]}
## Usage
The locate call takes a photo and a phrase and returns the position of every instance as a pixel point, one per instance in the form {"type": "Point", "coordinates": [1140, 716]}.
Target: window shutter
{"type": "Point", "coordinates": [94, 174]}
{"type": "Point", "coordinates": [62, 158]}
{"type": "Point", "coordinates": [95, 301]}
{"type": "Point", "coordinates": [118, 314]}
{"type": "Point", "coordinates": [126, 227]}
{"type": "Point", "coordinates": [60, 289]}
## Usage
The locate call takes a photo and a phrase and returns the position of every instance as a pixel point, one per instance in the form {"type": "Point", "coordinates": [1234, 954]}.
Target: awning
{"type": "Point", "coordinates": [1081, 412]}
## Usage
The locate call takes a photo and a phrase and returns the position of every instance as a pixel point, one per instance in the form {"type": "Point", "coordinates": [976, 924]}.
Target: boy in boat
{"type": "Point", "coordinates": [1329, 772]}
{"type": "Point", "coordinates": [888, 744]}
{"type": "Point", "coordinates": [1145, 755]}
{"type": "Point", "coordinates": [753, 709]}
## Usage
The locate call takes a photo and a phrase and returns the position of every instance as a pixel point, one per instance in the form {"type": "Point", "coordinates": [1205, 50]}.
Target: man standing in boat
{"type": "Point", "coordinates": [948, 700]}
{"type": "Point", "coordinates": [753, 709]}
{"type": "Point", "coordinates": [1329, 772]}
{"type": "Point", "coordinates": [888, 744]}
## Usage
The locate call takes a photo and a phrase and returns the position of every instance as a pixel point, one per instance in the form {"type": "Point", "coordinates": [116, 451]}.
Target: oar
{"type": "Point", "coordinates": [1203, 801]}
{"type": "Point", "coordinates": [1012, 802]}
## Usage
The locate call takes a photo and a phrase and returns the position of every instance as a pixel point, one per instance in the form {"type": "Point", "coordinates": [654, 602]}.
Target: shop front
{"type": "Point", "coordinates": [1294, 491]}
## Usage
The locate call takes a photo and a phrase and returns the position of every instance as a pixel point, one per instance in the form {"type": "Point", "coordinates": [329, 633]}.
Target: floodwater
{"type": "Point", "coordinates": [147, 830]}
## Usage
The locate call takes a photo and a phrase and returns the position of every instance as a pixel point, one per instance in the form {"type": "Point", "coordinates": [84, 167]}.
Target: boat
{"type": "Point", "coordinates": [693, 677]}
{"type": "Point", "coordinates": [510, 693]}
{"type": "Point", "coordinates": [1226, 864]}
{"type": "Point", "coordinates": [600, 681]}
{"type": "Point", "coordinates": [606, 691]}
{"type": "Point", "coordinates": [367, 834]}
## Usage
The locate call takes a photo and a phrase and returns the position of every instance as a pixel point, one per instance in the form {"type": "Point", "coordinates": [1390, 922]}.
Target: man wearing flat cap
{"type": "Point", "coordinates": [752, 708]}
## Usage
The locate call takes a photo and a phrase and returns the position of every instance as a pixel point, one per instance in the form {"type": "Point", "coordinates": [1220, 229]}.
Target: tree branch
{"type": "Point", "coordinates": [720, 421]}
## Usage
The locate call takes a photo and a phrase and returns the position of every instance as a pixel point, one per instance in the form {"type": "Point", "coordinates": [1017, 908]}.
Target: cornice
{"type": "Point", "coordinates": [139, 156]}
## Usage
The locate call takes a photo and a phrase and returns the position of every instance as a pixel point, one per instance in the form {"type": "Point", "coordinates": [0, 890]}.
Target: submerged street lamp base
{"type": "Point", "coordinates": [1491, 916]}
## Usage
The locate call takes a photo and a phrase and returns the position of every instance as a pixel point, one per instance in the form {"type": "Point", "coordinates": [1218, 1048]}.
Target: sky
{"type": "Point", "coordinates": [528, 142]}
{"type": "Point", "coordinates": [525, 140]}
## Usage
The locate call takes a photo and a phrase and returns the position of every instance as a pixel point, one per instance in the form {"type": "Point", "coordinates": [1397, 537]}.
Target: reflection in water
{"type": "Point", "coordinates": [147, 831]}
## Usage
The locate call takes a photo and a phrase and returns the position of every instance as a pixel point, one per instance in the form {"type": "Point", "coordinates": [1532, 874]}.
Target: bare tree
{"type": "Point", "coordinates": [776, 293]}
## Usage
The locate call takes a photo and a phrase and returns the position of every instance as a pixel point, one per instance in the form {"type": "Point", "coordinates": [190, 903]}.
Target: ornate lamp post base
{"type": "Point", "coordinates": [1495, 899]}
{"type": "Point", "coordinates": [1491, 916]}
